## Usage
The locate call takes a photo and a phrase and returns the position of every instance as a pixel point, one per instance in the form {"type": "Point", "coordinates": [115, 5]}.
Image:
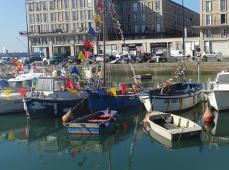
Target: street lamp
{"type": "Point", "coordinates": [183, 45]}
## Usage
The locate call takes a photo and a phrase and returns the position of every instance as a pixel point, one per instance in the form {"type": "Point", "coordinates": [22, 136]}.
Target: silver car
{"type": "Point", "coordinates": [6, 60]}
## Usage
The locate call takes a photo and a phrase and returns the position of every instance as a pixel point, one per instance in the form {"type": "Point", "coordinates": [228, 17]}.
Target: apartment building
{"type": "Point", "coordinates": [214, 26]}
{"type": "Point", "coordinates": [58, 27]}
{"type": "Point", "coordinates": [156, 19]}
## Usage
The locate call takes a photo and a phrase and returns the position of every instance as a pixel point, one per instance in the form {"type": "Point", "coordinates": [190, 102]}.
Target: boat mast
{"type": "Point", "coordinates": [104, 44]}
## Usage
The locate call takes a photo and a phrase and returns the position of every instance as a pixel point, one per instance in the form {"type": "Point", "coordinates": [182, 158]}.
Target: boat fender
{"type": "Point", "coordinates": [208, 116]}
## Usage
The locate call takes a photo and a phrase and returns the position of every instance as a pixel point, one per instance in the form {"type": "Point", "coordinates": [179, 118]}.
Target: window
{"type": "Point", "coordinates": [223, 18]}
{"type": "Point", "coordinates": [44, 5]}
{"type": "Point", "coordinates": [135, 6]}
{"type": "Point", "coordinates": [89, 3]}
{"type": "Point", "coordinates": [74, 4]}
{"type": "Point", "coordinates": [66, 4]}
{"type": "Point", "coordinates": [53, 17]}
{"type": "Point", "coordinates": [60, 16]}
{"type": "Point", "coordinates": [143, 17]}
{"type": "Point", "coordinates": [90, 14]}
{"type": "Point", "coordinates": [208, 19]}
{"type": "Point", "coordinates": [136, 28]}
{"type": "Point", "coordinates": [52, 5]}
{"type": "Point", "coordinates": [135, 17]}
{"type": "Point", "coordinates": [157, 5]}
{"type": "Point", "coordinates": [81, 3]}
{"type": "Point", "coordinates": [208, 5]}
{"type": "Point", "coordinates": [223, 32]}
{"type": "Point", "coordinates": [82, 16]}
{"type": "Point", "coordinates": [143, 28]}
{"type": "Point", "coordinates": [45, 17]}
{"type": "Point", "coordinates": [208, 33]}
{"type": "Point", "coordinates": [158, 27]}
{"type": "Point", "coordinates": [67, 16]}
{"type": "Point", "coordinates": [223, 5]}
{"type": "Point", "coordinates": [74, 15]}
{"type": "Point", "coordinates": [158, 17]}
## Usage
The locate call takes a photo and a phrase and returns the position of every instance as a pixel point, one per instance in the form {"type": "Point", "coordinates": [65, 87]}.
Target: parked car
{"type": "Point", "coordinates": [159, 57]}
{"type": "Point", "coordinates": [211, 55]}
{"type": "Point", "coordinates": [73, 59]}
{"type": "Point", "coordinates": [55, 60]}
{"type": "Point", "coordinates": [6, 60]}
{"type": "Point", "coordinates": [35, 58]}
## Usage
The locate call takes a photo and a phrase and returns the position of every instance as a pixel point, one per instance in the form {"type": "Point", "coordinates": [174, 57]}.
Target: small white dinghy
{"type": "Point", "coordinates": [171, 126]}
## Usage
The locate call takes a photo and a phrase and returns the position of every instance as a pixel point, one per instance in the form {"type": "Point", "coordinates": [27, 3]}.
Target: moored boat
{"type": "Point", "coordinates": [52, 97]}
{"type": "Point", "coordinates": [93, 124]}
{"type": "Point", "coordinates": [179, 96]}
{"type": "Point", "coordinates": [11, 99]}
{"type": "Point", "coordinates": [218, 97]}
{"type": "Point", "coordinates": [170, 126]}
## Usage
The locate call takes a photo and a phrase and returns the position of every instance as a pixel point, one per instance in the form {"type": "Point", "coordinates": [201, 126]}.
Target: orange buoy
{"type": "Point", "coordinates": [208, 116]}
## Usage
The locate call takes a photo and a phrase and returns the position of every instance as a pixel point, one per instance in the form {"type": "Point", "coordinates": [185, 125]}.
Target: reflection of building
{"type": "Point", "coordinates": [214, 26]}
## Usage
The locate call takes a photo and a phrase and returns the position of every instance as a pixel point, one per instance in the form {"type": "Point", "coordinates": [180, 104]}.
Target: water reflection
{"type": "Point", "coordinates": [217, 132]}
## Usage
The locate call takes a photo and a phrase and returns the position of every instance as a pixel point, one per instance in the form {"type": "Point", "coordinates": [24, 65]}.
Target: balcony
{"type": "Point", "coordinates": [214, 24]}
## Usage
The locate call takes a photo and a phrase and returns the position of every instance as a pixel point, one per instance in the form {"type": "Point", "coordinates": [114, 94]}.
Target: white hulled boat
{"type": "Point", "coordinates": [12, 102]}
{"type": "Point", "coordinates": [219, 95]}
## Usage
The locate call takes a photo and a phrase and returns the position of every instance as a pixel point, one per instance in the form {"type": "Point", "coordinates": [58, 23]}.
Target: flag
{"type": "Point", "coordinates": [87, 54]}
{"type": "Point", "coordinates": [101, 92]}
{"type": "Point", "coordinates": [88, 44]}
{"type": "Point", "coordinates": [75, 71]}
{"type": "Point", "coordinates": [113, 91]}
{"type": "Point", "coordinates": [100, 5]}
{"type": "Point", "coordinates": [124, 88]}
{"type": "Point", "coordinates": [91, 31]}
{"type": "Point", "coordinates": [7, 92]}
{"type": "Point", "coordinates": [70, 86]}
{"type": "Point", "coordinates": [82, 56]}
{"type": "Point", "coordinates": [22, 91]}
{"type": "Point", "coordinates": [98, 19]}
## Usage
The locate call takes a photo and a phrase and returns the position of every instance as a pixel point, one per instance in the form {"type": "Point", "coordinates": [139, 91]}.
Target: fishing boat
{"type": "Point", "coordinates": [10, 97]}
{"type": "Point", "coordinates": [93, 124]}
{"type": "Point", "coordinates": [170, 126]}
{"type": "Point", "coordinates": [218, 96]}
{"type": "Point", "coordinates": [179, 96]}
{"type": "Point", "coordinates": [53, 96]}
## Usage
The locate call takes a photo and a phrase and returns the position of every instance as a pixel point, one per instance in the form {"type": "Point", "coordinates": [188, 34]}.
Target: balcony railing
{"type": "Point", "coordinates": [214, 23]}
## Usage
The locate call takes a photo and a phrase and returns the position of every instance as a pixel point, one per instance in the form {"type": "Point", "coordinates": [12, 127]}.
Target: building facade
{"type": "Point", "coordinates": [156, 19]}
{"type": "Point", "coordinates": [214, 26]}
{"type": "Point", "coordinates": [58, 27]}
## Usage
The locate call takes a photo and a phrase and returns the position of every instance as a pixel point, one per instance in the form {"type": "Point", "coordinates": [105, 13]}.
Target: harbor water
{"type": "Point", "coordinates": [44, 144]}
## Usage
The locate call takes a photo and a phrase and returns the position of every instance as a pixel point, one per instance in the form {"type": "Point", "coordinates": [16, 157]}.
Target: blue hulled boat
{"type": "Point", "coordinates": [52, 97]}
{"type": "Point", "coordinates": [93, 124]}
{"type": "Point", "coordinates": [100, 101]}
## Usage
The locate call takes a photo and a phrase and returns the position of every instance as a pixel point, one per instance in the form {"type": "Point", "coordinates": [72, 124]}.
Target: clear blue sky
{"type": "Point", "coordinates": [12, 18]}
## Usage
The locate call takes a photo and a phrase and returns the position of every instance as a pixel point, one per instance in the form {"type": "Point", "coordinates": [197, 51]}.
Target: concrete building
{"type": "Point", "coordinates": [214, 26]}
{"type": "Point", "coordinates": [58, 27]}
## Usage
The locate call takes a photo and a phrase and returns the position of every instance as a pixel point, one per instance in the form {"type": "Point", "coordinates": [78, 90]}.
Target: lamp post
{"type": "Point", "coordinates": [27, 29]}
{"type": "Point", "coordinates": [183, 45]}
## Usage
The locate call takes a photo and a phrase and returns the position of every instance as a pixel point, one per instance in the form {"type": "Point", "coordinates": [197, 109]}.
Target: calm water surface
{"type": "Point", "coordinates": [44, 144]}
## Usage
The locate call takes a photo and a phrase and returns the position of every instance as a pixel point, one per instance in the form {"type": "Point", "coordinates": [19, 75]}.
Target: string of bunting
{"type": "Point", "coordinates": [166, 84]}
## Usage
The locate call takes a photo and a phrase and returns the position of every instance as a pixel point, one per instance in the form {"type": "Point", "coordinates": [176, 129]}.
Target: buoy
{"type": "Point", "coordinates": [208, 126]}
{"type": "Point", "coordinates": [208, 116]}
{"type": "Point", "coordinates": [67, 116]}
